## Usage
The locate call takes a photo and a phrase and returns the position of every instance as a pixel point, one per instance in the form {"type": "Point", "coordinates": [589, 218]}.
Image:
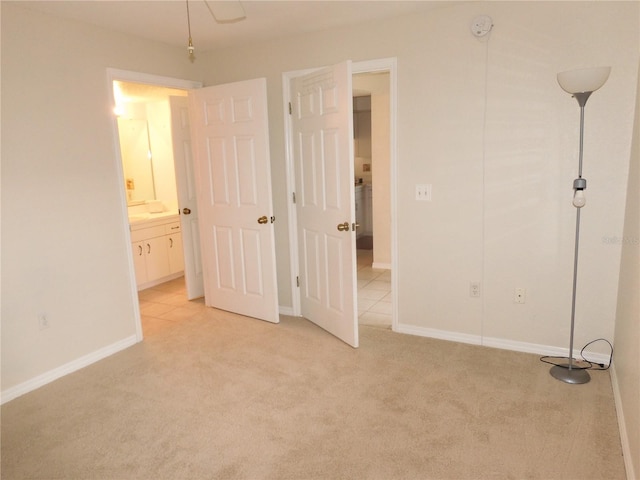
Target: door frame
{"type": "Point", "coordinates": [149, 79]}
{"type": "Point", "coordinates": [369, 66]}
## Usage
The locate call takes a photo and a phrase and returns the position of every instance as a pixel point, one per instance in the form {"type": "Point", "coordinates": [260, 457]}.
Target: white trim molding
{"type": "Point", "coordinates": [438, 334]}
{"type": "Point", "coordinates": [622, 426]}
{"type": "Point", "coordinates": [381, 266]}
{"type": "Point", "coordinates": [499, 343]}
{"type": "Point", "coordinates": [283, 310]}
{"type": "Point", "coordinates": [66, 369]}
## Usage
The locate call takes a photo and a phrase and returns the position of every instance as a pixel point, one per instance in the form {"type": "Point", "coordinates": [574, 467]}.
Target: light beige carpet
{"type": "Point", "coordinates": [211, 395]}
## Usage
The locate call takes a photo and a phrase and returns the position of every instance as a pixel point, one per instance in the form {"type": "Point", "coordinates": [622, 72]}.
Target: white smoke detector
{"type": "Point", "coordinates": [481, 25]}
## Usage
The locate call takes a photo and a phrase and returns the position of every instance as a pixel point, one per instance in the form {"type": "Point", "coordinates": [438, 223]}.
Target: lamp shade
{"type": "Point", "coordinates": [583, 80]}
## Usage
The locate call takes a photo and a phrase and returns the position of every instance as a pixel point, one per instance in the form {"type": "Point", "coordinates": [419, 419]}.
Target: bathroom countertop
{"type": "Point", "coordinates": [143, 220]}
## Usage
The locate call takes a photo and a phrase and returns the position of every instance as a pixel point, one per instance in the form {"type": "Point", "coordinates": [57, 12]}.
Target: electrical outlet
{"type": "Point", "coordinates": [474, 289]}
{"type": "Point", "coordinates": [423, 193]}
{"type": "Point", "coordinates": [520, 295]}
{"type": "Point", "coordinates": [43, 321]}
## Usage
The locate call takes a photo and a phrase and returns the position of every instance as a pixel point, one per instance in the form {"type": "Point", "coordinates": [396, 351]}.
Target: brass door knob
{"type": "Point", "coordinates": [186, 211]}
{"type": "Point", "coordinates": [343, 227]}
{"type": "Point", "coordinates": [263, 219]}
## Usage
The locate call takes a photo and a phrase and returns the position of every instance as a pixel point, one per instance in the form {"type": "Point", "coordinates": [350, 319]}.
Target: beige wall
{"type": "Point", "coordinates": [626, 363]}
{"type": "Point", "coordinates": [488, 126]}
{"type": "Point", "coordinates": [485, 123]}
{"type": "Point", "coordinates": [380, 146]}
{"type": "Point", "coordinates": [63, 240]}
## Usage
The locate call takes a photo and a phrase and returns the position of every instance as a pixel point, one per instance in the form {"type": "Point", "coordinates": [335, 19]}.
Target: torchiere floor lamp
{"type": "Point", "coordinates": [580, 84]}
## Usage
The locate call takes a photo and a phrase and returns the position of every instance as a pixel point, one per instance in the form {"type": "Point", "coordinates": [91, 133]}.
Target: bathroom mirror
{"type": "Point", "coordinates": [137, 160]}
{"type": "Point", "coordinates": [146, 148]}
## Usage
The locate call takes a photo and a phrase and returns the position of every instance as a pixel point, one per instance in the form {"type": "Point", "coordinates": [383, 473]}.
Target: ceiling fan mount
{"type": "Point", "coordinates": [227, 11]}
{"type": "Point", "coordinates": [223, 12]}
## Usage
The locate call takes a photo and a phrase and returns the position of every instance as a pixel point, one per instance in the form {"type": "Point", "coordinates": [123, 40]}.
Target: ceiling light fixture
{"type": "Point", "coordinates": [190, 48]}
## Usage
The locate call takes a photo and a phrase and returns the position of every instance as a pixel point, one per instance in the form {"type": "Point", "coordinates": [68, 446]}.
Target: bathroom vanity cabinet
{"type": "Point", "coordinates": [157, 250]}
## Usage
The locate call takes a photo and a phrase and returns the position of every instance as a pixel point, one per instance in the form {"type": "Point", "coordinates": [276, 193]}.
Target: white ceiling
{"type": "Point", "coordinates": [166, 20]}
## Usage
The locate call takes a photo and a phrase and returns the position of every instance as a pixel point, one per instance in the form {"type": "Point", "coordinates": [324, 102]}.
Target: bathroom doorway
{"type": "Point", "coordinates": [372, 134]}
{"type": "Point", "coordinates": [140, 88]}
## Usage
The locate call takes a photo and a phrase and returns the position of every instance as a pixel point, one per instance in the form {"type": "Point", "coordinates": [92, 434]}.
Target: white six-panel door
{"type": "Point", "coordinates": [233, 182]}
{"type": "Point", "coordinates": [187, 202]}
{"type": "Point", "coordinates": [322, 132]}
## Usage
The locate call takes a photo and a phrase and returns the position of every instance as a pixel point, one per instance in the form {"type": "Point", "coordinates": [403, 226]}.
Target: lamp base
{"type": "Point", "coordinates": [569, 375]}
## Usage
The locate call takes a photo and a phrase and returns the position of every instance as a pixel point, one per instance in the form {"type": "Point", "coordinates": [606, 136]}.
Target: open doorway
{"type": "Point", "coordinates": [372, 133]}
{"type": "Point", "coordinates": [146, 150]}
{"type": "Point", "coordinates": [160, 183]}
{"type": "Point", "coordinates": [381, 66]}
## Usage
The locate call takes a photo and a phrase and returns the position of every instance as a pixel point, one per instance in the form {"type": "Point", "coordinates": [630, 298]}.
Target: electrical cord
{"type": "Point", "coordinates": [589, 364]}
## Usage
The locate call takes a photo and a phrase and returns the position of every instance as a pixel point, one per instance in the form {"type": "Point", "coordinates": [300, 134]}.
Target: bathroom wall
{"type": "Point", "coordinates": [159, 118]}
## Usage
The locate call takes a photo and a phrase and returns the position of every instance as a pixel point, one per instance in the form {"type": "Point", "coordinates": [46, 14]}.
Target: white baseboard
{"type": "Point", "coordinates": [622, 426]}
{"type": "Point", "coordinates": [497, 343]}
{"type": "Point", "coordinates": [159, 281]}
{"type": "Point", "coordinates": [286, 311]}
{"type": "Point", "coordinates": [439, 334]}
{"type": "Point", "coordinates": [66, 369]}
{"type": "Point", "coordinates": [381, 266]}
{"type": "Point", "coordinates": [542, 349]}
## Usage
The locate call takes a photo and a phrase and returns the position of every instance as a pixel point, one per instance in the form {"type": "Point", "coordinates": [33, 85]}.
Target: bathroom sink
{"type": "Point", "coordinates": [138, 217]}
{"type": "Point", "coordinates": [144, 216]}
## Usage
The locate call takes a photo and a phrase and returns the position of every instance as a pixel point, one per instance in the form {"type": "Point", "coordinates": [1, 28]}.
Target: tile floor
{"type": "Point", "coordinates": [374, 292]}
{"type": "Point", "coordinates": [167, 303]}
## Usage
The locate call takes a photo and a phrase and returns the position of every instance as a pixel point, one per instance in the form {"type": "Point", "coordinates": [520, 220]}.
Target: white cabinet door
{"type": "Point", "coordinates": [139, 262]}
{"type": "Point", "coordinates": [157, 258]}
{"type": "Point", "coordinates": [176, 256]}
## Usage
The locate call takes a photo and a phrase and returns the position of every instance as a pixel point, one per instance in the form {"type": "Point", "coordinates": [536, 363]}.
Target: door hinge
{"type": "Point", "coordinates": [290, 109]}
{"type": "Point", "coordinates": [293, 196]}
{"type": "Point", "coordinates": [297, 281]}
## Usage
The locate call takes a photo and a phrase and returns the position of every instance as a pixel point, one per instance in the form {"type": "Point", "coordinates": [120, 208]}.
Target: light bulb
{"type": "Point", "coordinates": [579, 200]}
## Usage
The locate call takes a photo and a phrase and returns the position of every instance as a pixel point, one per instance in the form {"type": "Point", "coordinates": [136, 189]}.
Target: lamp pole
{"type": "Point", "coordinates": [580, 84]}
{"type": "Point", "coordinates": [568, 373]}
